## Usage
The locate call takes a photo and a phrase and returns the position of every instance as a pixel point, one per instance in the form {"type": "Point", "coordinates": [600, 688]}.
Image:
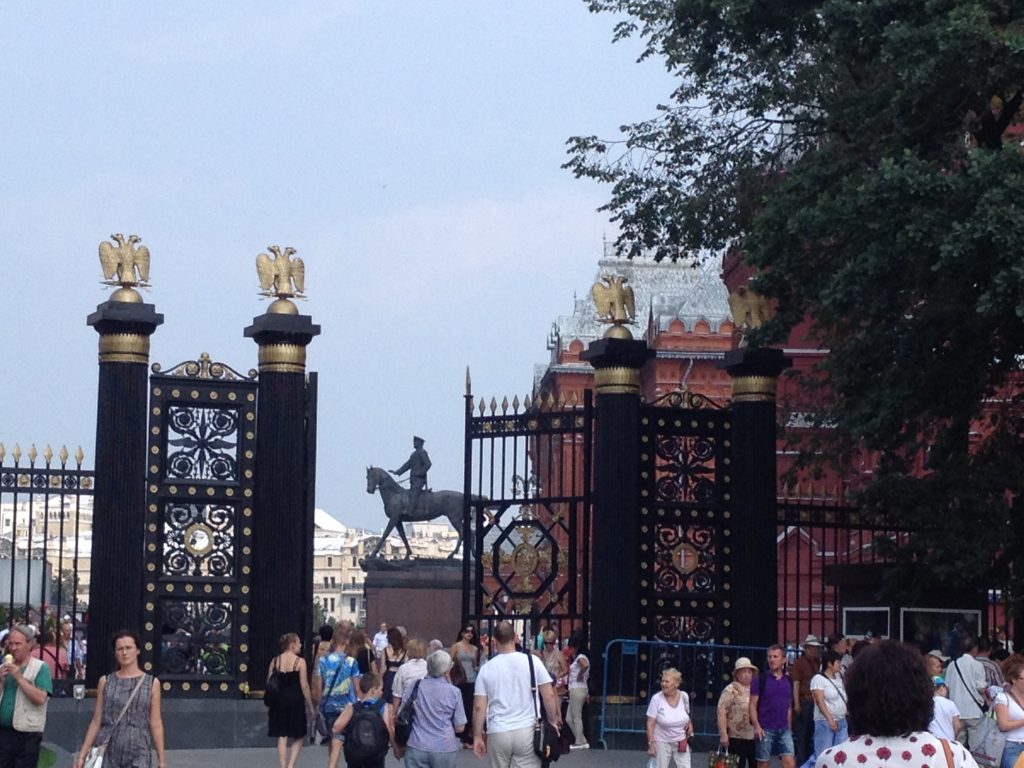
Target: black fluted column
{"type": "Point", "coordinates": [282, 580]}
{"type": "Point", "coordinates": [754, 375]}
{"type": "Point", "coordinates": [615, 533]}
{"type": "Point", "coordinates": [118, 529]}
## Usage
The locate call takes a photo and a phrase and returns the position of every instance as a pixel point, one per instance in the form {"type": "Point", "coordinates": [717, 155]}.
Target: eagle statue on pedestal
{"type": "Point", "coordinates": [130, 264]}
{"type": "Point", "coordinates": [281, 275]}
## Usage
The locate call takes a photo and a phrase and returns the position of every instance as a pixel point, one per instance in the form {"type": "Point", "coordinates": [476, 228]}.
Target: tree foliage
{"type": "Point", "coordinates": [864, 156]}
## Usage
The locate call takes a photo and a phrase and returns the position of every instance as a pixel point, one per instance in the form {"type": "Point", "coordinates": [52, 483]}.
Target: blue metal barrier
{"type": "Point", "coordinates": [632, 671]}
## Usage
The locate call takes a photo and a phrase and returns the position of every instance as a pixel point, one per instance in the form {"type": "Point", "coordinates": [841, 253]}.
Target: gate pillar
{"type": "Point", "coordinates": [754, 375]}
{"type": "Point", "coordinates": [615, 538]}
{"type": "Point", "coordinates": [116, 579]}
{"type": "Point", "coordinates": [285, 472]}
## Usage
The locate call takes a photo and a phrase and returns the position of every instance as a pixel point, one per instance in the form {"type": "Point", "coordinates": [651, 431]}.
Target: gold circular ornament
{"type": "Point", "coordinates": [199, 539]}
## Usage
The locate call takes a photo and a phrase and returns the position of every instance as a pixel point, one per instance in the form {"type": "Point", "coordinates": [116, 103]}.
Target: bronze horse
{"type": "Point", "coordinates": [433, 504]}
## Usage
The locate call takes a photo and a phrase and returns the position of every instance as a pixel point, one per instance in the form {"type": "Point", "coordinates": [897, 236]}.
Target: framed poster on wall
{"type": "Point", "coordinates": [942, 628]}
{"type": "Point", "coordinates": [859, 621]}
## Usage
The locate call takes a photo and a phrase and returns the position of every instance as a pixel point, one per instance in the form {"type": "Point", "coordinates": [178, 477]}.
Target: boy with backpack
{"type": "Point", "coordinates": [367, 733]}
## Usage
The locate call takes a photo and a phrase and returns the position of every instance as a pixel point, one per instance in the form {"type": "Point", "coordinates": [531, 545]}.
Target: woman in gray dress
{"type": "Point", "coordinates": [131, 742]}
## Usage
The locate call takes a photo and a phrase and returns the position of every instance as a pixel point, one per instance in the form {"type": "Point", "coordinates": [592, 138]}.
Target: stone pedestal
{"type": "Point", "coordinates": [425, 598]}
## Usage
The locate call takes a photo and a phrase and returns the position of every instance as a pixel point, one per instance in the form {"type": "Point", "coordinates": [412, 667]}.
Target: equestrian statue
{"type": "Point", "coordinates": [430, 505]}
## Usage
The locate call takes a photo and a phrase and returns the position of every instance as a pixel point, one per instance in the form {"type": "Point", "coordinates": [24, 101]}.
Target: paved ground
{"type": "Point", "coordinates": [316, 757]}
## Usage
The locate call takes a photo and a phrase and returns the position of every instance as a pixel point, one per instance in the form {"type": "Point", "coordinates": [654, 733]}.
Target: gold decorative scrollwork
{"type": "Point", "coordinates": [205, 368]}
{"type": "Point", "coordinates": [525, 560]}
{"type": "Point", "coordinates": [684, 398]}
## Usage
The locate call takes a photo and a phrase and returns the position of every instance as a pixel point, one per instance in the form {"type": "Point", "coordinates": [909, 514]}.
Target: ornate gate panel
{"type": "Point", "coordinates": [528, 501]}
{"type": "Point", "coordinates": [685, 514]}
{"type": "Point", "coordinates": [202, 442]}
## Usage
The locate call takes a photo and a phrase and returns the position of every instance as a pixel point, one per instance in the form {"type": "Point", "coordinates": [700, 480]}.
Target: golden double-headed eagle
{"type": "Point", "coordinates": [614, 300]}
{"type": "Point", "coordinates": [281, 275]}
{"type": "Point", "coordinates": [130, 264]}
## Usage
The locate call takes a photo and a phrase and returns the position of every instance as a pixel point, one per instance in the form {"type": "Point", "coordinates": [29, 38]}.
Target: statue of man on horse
{"type": "Point", "coordinates": [397, 507]}
{"type": "Point", "coordinates": [416, 466]}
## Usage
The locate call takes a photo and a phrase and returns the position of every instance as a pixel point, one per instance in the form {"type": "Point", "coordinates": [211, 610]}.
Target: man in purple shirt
{"type": "Point", "coordinates": [771, 712]}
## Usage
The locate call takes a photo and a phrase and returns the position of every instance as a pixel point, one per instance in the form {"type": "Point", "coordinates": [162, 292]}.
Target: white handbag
{"type": "Point", "coordinates": [95, 758]}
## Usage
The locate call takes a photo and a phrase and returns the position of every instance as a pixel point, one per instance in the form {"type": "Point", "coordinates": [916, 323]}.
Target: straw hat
{"type": "Point", "coordinates": [742, 663]}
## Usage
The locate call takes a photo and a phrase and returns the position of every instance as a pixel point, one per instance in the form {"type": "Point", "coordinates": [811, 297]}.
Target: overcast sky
{"type": "Point", "coordinates": [409, 150]}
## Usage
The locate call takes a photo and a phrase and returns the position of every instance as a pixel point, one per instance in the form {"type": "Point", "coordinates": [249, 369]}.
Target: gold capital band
{"type": "Point", "coordinates": [124, 348]}
{"type": "Point", "coordinates": [617, 380]}
{"type": "Point", "coordinates": [754, 389]}
{"type": "Point", "coordinates": [282, 358]}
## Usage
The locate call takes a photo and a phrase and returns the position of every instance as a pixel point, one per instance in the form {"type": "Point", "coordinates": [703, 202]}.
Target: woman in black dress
{"type": "Point", "coordinates": [392, 658]}
{"type": "Point", "coordinates": [291, 703]}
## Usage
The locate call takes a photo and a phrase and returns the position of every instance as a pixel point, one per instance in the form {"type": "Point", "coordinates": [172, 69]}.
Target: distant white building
{"type": "Point", "coordinates": [338, 580]}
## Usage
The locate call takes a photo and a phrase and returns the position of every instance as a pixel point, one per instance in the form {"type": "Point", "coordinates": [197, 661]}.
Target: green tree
{"type": "Point", "coordinates": [863, 155]}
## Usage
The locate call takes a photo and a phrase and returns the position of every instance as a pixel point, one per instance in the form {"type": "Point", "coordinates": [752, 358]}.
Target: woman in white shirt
{"type": "Point", "coordinates": [579, 689]}
{"type": "Point", "coordinates": [668, 722]}
{"type": "Point", "coordinates": [829, 705]}
{"type": "Point", "coordinates": [1010, 710]}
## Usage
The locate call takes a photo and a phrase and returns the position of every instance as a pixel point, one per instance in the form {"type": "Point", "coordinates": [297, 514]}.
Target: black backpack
{"type": "Point", "coordinates": [366, 736]}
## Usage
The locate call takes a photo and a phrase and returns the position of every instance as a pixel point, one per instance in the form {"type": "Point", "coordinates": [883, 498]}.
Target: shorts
{"type": "Point", "coordinates": [329, 718]}
{"type": "Point", "coordinates": [776, 741]}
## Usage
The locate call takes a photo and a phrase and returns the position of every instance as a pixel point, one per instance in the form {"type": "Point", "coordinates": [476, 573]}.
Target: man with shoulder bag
{"type": "Point", "coordinates": [504, 701]}
{"type": "Point", "coordinates": [26, 690]}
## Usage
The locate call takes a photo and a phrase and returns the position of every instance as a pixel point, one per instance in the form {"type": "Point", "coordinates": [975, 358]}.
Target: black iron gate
{"type": "Point", "coordinates": [202, 445]}
{"type": "Point", "coordinates": [527, 487]}
{"type": "Point", "coordinates": [685, 520]}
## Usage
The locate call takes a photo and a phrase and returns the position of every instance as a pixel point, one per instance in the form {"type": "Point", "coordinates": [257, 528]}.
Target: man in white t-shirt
{"type": "Point", "coordinates": [380, 640]}
{"type": "Point", "coordinates": [965, 679]}
{"type": "Point", "coordinates": [502, 698]}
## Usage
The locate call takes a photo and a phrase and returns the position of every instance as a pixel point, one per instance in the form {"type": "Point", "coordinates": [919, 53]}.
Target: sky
{"type": "Point", "coordinates": [409, 151]}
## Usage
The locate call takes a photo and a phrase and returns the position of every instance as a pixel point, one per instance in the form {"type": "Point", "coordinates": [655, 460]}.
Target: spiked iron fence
{"type": "Point", "coordinates": [527, 501]}
{"type": "Point", "coordinates": [823, 543]}
{"type": "Point", "coordinates": [45, 545]}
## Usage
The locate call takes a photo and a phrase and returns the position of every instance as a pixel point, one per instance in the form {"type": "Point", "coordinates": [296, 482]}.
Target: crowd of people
{"type": "Point", "coordinates": [483, 694]}
{"type": "Point", "coordinates": [840, 704]}
{"type": "Point", "coordinates": [835, 705]}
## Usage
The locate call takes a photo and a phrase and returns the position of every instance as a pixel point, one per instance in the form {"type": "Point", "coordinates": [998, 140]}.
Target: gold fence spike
{"type": "Point", "coordinates": [504, 405]}
{"type": "Point", "coordinates": [796, 490]}
{"type": "Point", "coordinates": [575, 399]}
{"type": "Point", "coordinates": [494, 406]}
{"type": "Point", "coordinates": [561, 400]}
{"type": "Point", "coordinates": [515, 404]}
{"type": "Point", "coordinates": [79, 455]}
{"type": "Point", "coordinates": [32, 453]}
{"type": "Point", "coordinates": [526, 404]}
{"type": "Point", "coordinates": [16, 453]}
{"type": "Point", "coordinates": [551, 401]}
{"type": "Point", "coordinates": [3, 452]}
{"type": "Point", "coordinates": [48, 453]}
{"type": "Point", "coordinates": [63, 455]}
{"type": "Point", "coordinates": [482, 406]}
